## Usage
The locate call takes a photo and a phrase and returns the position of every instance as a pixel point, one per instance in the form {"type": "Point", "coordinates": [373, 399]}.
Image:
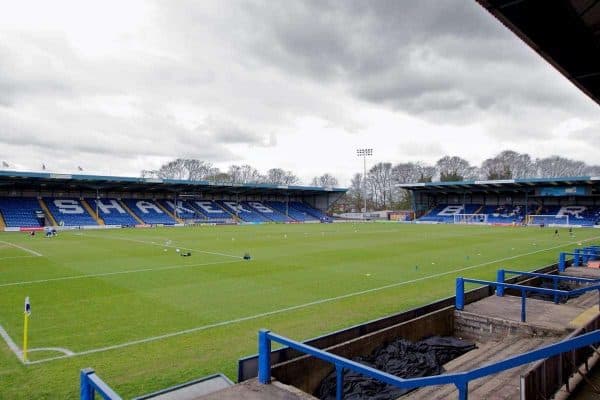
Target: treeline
{"type": "Point", "coordinates": [382, 178]}
{"type": "Point", "coordinates": [196, 170]}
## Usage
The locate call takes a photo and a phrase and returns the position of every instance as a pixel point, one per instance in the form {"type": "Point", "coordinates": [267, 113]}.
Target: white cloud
{"type": "Point", "coordinates": [120, 87]}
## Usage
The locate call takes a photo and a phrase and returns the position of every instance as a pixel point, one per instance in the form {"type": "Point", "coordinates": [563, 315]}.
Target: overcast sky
{"type": "Point", "coordinates": [120, 86]}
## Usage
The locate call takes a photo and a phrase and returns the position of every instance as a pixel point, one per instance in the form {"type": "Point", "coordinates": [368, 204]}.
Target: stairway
{"type": "Point", "coordinates": [505, 383]}
{"type": "Point", "coordinates": [138, 219]}
{"type": "Point", "coordinates": [169, 213]}
{"type": "Point", "coordinates": [89, 209]}
{"type": "Point", "coordinates": [49, 216]}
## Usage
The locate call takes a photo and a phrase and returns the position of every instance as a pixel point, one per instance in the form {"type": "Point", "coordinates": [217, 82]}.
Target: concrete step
{"type": "Point", "coordinates": [500, 386]}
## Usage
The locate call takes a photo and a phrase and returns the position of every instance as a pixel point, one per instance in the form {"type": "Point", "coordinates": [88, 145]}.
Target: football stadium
{"type": "Point", "coordinates": [153, 288]}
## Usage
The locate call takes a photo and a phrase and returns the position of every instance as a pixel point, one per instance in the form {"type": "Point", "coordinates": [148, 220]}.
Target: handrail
{"type": "Point", "coordinates": [501, 273]}
{"type": "Point", "coordinates": [90, 384]}
{"type": "Point", "coordinates": [459, 379]}
{"type": "Point", "coordinates": [460, 292]}
{"type": "Point", "coordinates": [552, 276]}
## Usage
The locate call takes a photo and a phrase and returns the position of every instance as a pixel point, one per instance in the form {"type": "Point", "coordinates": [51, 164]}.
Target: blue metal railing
{"type": "Point", "coordinates": [501, 274]}
{"type": "Point", "coordinates": [90, 384]}
{"type": "Point", "coordinates": [460, 379]}
{"type": "Point", "coordinates": [580, 256]}
{"type": "Point", "coordinates": [460, 292]}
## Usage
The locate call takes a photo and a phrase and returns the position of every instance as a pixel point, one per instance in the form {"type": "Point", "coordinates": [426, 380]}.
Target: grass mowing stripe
{"type": "Point", "coordinates": [304, 305]}
{"type": "Point", "coordinates": [158, 244]}
{"type": "Point", "coordinates": [83, 276]}
{"type": "Point", "coordinates": [35, 253]}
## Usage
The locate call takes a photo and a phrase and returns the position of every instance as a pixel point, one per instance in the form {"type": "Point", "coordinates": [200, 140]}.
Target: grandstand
{"type": "Point", "coordinates": [33, 200]}
{"type": "Point", "coordinates": [569, 201]}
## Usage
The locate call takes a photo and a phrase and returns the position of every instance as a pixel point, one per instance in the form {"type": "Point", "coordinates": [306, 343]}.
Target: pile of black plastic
{"type": "Point", "coordinates": [562, 285]}
{"type": "Point", "coordinates": [401, 358]}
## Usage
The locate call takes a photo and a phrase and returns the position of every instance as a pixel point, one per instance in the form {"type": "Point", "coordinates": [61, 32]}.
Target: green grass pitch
{"type": "Point", "coordinates": [127, 304]}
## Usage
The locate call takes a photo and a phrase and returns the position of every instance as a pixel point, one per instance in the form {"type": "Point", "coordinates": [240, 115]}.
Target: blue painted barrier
{"type": "Point", "coordinates": [577, 259]}
{"type": "Point", "coordinates": [460, 295]}
{"type": "Point", "coordinates": [460, 379]}
{"type": "Point", "coordinates": [555, 279]}
{"type": "Point", "coordinates": [90, 384]}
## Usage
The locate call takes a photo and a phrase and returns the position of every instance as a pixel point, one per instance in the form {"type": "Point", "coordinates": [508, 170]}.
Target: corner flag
{"type": "Point", "coordinates": [26, 314]}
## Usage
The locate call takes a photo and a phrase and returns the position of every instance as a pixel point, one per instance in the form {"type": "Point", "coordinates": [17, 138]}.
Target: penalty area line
{"type": "Point", "coordinates": [298, 306]}
{"type": "Point", "coordinates": [35, 253]}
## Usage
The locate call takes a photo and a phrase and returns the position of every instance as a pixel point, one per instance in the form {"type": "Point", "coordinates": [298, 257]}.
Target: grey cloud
{"type": "Point", "coordinates": [440, 59]}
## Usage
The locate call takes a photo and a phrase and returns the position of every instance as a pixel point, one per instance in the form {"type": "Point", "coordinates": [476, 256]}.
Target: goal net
{"type": "Point", "coordinates": [548, 220]}
{"type": "Point", "coordinates": [470, 218]}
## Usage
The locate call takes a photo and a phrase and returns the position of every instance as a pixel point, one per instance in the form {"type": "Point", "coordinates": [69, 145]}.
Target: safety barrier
{"type": "Point", "coordinates": [460, 292]}
{"type": "Point", "coordinates": [90, 384]}
{"type": "Point", "coordinates": [501, 275]}
{"type": "Point", "coordinates": [547, 376]}
{"type": "Point", "coordinates": [460, 379]}
{"type": "Point", "coordinates": [580, 257]}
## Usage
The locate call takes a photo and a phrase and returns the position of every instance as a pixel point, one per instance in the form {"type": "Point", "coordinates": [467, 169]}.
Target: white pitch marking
{"type": "Point", "coordinates": [8, 258]}
{"type": "Point", "coordinates": [57, 349]}
{"type": "Point", "coordinates": [83, 276]}
{"type": "Point", "coordinates": [158, 244]}
{"type": "Point", "coordinates": [11, 344]}
{"type": "Point", "coordinates": [35, 253]}
{"type": "Point", "coordinates": [292, 308]}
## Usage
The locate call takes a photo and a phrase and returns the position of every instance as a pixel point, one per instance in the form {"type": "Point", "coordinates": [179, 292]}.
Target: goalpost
{"type": "Point", "coordinates": [548, 220]}
{"type": "Point", "coordinates": [470, 218]}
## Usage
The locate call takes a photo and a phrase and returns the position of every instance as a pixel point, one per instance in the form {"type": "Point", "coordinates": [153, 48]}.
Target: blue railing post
{"type": "Point", "coordinates": [460, 294]}
{"type": "Point", "coordinates": [264, 357]}
{"type": "Point", "coordinates": [576, 258]}
{"type": "Point", "coordinates": [339, 382]}
{"type": "Point", "coordinates": [523, 305]}
{"type": "Point", "coordinates": [86, 390]}
{"type": "Point", "coordinates": [463, 390]}
{"type": "Point", "coordinates": [555, 287]}
{"type": "Point", "coordinates": [500, 279]}
{"type": "Point", "coordinates": [562, 261]}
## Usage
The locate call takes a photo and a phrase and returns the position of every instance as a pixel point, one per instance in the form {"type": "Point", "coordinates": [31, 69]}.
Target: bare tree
{"type": "Point", "coordinates": [556, 166]}
{"type": "Point", "coordinates": [277, 176]}
{"type": "Point", "coordinates": [325, 180]}
{"type": "Point", "coordinates": [455, 169]}
{"type": "Point", "coordinates": [412, 172]}
{"type": "Point", "coordinates": [244, 174]}
{"type": "Point", "coordinates": [592, 170]}
{"type": "Point", "coordinates": [184, 169]}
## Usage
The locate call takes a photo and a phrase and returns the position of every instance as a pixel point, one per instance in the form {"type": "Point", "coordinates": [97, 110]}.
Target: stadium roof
{"type": "Point", "coordinates": [501, 185]}
{"type": "Point", "coordinates": [564, 32]}
{"type": "Point", "coordinates": [53, 181]}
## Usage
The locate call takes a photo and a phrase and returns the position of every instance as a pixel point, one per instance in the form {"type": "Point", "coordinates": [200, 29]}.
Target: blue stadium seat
{"type": "Point", "coordinates": [149, 212]}
{"type": "Point", "coordinates": [69, 212]}
{"type": "Point", "coordinates": [20, 211]}
{"type": "Point", "coordinates": [287, 209]}
{"type": "Point", "coordinates": [210, 210]}
{"type": "Point", "coordinates": [183, 210]}
{"type": "Point", "coordinates": [504, 214]}
{"type": "Point", "coordinates": [444, 213]}
{"type": "Point", "coordinates": [266, 211]}
{"type": "Point", "coordinates": [305, 208]}
{"type": "Point", "coordinates": [111, 212]}
{"type": "Point", "coordinates": [242, 211]}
